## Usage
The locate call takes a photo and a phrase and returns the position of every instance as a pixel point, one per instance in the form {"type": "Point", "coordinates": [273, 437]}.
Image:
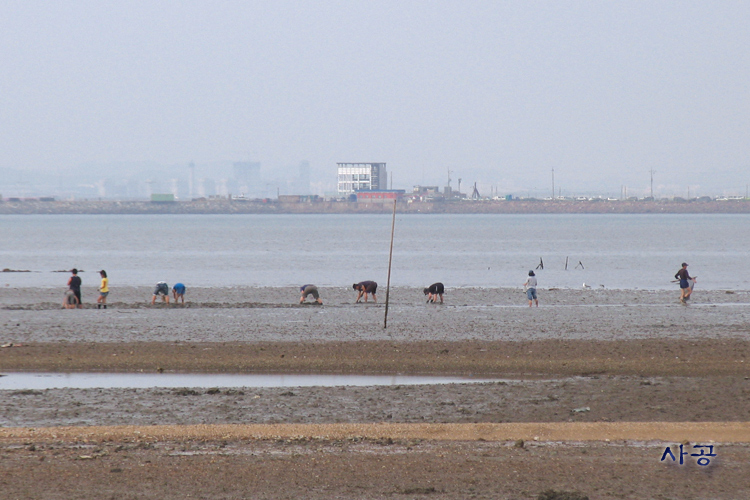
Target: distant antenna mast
{"type": "Point", "coordinates": [652, 182]}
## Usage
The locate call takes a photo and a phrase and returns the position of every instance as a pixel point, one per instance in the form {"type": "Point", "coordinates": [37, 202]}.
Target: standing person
{"type": "Point", "coordinates": [74, 284]}
{"type": "Point", "coordinates": [686, 283]}
{"type": "Point", "coordinates": [433, 291]}
{"type": "Point", "coordinates": [178, 292]}
{"type": "Point", "coordinates": [530, 287]}
{"type": "Point", "coordinates": [365, 288]}
{"type": "Point", "coordinates": [103, 290]}
{"type": "Point", "coordinates": [161, 289]}
{"type": "Point", "coordinates": [306, 290]}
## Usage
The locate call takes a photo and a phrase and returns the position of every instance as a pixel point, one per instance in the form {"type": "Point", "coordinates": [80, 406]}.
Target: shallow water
{"type": "Point", "coordinates": [40, 381]}
{"type": "Point", "coordinates": [616, 251]}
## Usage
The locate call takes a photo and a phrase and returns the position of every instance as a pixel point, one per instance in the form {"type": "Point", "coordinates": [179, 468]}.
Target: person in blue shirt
{"type": "Point", "coordinates": [178, 292]}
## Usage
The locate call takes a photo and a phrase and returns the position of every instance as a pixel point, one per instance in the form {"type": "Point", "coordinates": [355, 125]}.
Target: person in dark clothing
{"type": "Point", "coordinates": [365, 288]}
{"type": "Point", "coordinates": [686, 283]}
{"type": "Point", "coordinates": [434, 291]}
{"type": "Point", "coordinates": [74, 284]}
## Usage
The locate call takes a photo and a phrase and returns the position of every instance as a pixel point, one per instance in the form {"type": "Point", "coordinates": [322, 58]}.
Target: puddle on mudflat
{"type": "Point", "coordinates": [27, 381]}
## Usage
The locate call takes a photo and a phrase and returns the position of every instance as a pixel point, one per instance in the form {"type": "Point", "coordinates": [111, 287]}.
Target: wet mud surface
{"type": "Point", "coordinates": [274, 314]}
{"type": "Point", "coordinates": [575, 399]}
{"type": "Point", "coordinates": [582, 356]}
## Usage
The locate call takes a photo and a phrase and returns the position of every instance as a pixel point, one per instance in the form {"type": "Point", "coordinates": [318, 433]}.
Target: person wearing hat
{"type": "Point", "coordinates": [103, 290]}
{"type": "Point", "coordinates": [686, 283]}
{"type": "Point", "coordinates": [530, 287]}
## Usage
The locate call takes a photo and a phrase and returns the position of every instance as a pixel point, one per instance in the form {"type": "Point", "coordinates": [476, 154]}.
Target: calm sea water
{"type": "Point", "coordinates": [617, 251]}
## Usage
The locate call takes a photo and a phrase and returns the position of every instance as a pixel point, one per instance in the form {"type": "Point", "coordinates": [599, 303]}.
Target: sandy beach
{"type": "Point", "coordinates": [584, 357]}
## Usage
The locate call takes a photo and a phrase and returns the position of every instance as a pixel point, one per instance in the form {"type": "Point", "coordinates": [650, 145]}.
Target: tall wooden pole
{"type": "Point", "coordinates": [390, 260]}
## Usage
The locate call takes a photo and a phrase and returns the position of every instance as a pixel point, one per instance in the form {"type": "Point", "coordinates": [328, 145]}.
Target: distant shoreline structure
{"type": "Point", "coordinates": [268, 206]}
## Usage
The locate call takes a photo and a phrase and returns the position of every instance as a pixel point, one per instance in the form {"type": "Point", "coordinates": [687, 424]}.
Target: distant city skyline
{"type": "Point", "coordinates": [500, 93]}
{"type": "Point", "coordinates": [139, 179]}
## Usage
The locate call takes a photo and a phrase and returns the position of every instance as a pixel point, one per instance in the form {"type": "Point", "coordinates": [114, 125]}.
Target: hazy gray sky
{"type": "Point", "coordinates": [499, 92]}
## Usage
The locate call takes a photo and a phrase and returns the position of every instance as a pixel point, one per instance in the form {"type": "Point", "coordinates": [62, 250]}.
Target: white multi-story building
{"type": "Point", "coordinates": [355, 177]}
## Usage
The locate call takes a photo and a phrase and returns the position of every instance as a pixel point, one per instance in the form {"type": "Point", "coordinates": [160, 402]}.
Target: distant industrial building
{"type": "Point", "coordinates": [380, 196]}
{"type": "Point", "coordinates": [355, 177]}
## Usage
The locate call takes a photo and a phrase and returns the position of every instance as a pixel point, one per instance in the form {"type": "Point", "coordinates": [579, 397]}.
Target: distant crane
{"type": "Point", "coordinates": [475, 193]}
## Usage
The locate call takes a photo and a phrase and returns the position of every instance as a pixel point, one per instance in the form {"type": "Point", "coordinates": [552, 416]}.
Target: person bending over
{"type": "Point", "coordinates": [364, 288]}
{"type": "Point", "coordinates": [178, 292]}
{"type": "Point", "coordinates": [434, 291]}
{"type": "Point", "coordinates": [161, 289]}
{"type": "Point", "coordinates": [306, 290]}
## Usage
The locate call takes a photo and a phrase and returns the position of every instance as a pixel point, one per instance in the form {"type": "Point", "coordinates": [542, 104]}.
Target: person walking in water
{"type": "Point", "coordinates": [364, 288]}
{"type": "Point", "coordinates": [686, 283]}
{"type": "Point", "coordinates": [74, 284]}
{"type": "Point", "coordinates": [530, 287]}
{"type": "Point", "coordinates": [103, 290]}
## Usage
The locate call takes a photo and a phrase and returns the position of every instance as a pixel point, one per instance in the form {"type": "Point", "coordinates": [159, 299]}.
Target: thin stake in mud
{"type": "Point", "coordinates": [390, 259]}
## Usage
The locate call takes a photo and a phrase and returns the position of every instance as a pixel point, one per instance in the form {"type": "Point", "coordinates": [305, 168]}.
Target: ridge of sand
{"type": "Point", "coordinates": [722, 432]}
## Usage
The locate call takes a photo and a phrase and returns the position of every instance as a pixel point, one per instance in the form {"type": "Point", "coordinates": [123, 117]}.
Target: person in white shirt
{"type": "Point", "coordinates": [530, 287]}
